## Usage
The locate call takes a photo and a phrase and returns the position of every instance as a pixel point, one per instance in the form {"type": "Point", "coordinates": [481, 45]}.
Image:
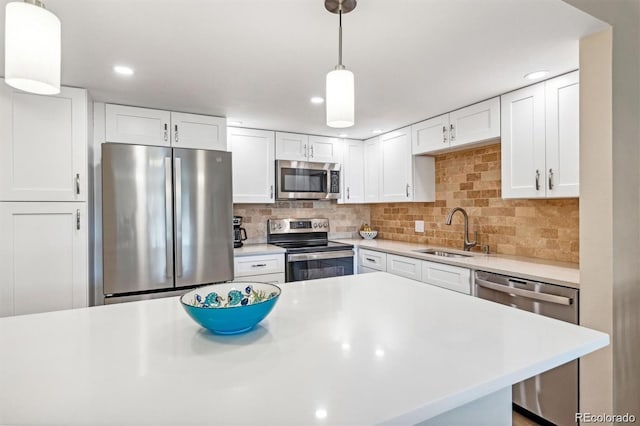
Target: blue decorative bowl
{"type": "Point", "coordinates": [230, 308]}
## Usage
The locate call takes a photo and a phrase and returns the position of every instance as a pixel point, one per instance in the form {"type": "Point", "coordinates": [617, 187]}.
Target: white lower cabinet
{"type": "Point", "coordinates": [43, 257]}
{"type": "Point", "coordinates": [407, 267]}
{"type": "Point", "coordinates": [447, 276]}
{"type": "Point", "coordinates": [365, 270]}
{"type": "Point", "coordinates": [372, 259]}
{"type": "Point", "coordinates": [261, 267]}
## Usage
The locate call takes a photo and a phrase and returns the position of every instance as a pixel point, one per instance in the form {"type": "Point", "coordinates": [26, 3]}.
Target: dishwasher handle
{"type": "Point", "coordinates": [543, 297]}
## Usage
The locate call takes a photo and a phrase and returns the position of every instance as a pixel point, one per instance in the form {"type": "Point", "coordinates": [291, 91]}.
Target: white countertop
{"type": "Point", "coordinates": [567, 274]}
{"type": "Point", "coordinates": [256, 249]}
{"type": "Point", "coordinates": [360, 349]}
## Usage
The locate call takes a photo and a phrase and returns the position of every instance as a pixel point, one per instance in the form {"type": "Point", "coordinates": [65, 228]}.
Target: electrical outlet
{"type": "Point", "coordinates": [419, 225]}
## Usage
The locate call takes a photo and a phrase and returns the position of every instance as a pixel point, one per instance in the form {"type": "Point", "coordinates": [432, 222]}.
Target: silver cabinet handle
{"type": "Point", "coordinates": [259, 265]}
{"type": "Point", "coordinates": [513, 291]}
{"type": "Point", "coordinates": [453, 132]}
{"type": "Point", "coordinates": [550, 179]}
{"type": "Point", "coordinates": [444, 134]}
{"type": "Point", "coordinates": [306, 150]}
{"type": "Point", "coordinates": [370, 259]}
{"type": "Point", "coordinates": [78, 219]}
{"type": "Point", "coordinates": [537, 180]}
{"type": "Point", "coordinates": [175, 134]}
{"type": "Point", "coordinates": [348, 194]}
{"type": "Point", "coordinates": [77, 183]}
{"type": "Point", "coordinates": [408, 186]}
{"type": "Point", "coordinates": [311, 151]}
{"type": "Point", "coordinates": [166, 132]}
{"type": "Point", "coordinates": [178, 192]}
{"type": "Point", "coordinates": [271, 193]}
{"type": "Point", "coordinates": [168, 214]}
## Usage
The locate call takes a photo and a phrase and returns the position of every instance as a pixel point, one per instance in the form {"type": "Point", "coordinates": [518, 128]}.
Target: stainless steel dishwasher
{"type": "Point", "coordinates": [552, 395]}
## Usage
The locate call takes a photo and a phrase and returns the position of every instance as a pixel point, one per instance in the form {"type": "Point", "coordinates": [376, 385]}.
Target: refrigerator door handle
{"type": "Point", "coordinates": [178, 190]}
{"type": "Point", "coordinates": [168, 213]}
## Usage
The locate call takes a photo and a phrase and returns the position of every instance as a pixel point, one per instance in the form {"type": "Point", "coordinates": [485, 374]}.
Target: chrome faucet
{"type": "Point", "coordinates": [468, 245]}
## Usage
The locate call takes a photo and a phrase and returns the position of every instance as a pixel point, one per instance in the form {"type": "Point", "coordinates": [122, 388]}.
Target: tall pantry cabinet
{"type": "Point", "coordinates": [43, 201]}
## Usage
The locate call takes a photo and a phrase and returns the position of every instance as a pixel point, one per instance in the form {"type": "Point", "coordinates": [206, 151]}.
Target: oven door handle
{"type": "Point", "coordinates": [319, 256]}
{"type": "Point", "coordinates": [513, 291]}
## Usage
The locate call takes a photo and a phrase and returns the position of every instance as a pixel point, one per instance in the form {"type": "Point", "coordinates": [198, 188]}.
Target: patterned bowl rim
{"type": "Point", "coordinates": [276, 288]}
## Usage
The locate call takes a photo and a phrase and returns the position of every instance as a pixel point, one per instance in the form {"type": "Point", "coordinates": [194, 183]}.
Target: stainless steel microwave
{"type": "Point", "coordinates": [303, 180]}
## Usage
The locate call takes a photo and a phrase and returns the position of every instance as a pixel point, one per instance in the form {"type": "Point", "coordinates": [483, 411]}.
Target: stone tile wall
{"type": "Point", "coordinates": [344, 220]}
{"type": "Point", "coordinates": [546, 229]}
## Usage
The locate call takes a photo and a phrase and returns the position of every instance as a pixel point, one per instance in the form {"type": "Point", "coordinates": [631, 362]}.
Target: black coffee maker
{"type": "Point", "coordinates": [239, 233]}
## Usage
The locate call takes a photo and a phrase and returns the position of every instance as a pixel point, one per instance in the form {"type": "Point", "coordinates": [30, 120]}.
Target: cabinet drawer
{"type": "Point", "coordinates": [373, 260]}
{"type": "Point", "coordinates": [263, 278]}
{"type": "Point", "coordinates": [404, 266]}
{"type": "Point", "coordinates": [447, 276]}
{"type": "Point", "coordinates": [245, 266]}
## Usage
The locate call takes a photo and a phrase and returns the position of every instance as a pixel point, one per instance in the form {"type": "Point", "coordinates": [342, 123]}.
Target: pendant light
{"type": "Point", "coordinates": [32, 48]}
{"type": "Point", "coordinates": [340, 93]}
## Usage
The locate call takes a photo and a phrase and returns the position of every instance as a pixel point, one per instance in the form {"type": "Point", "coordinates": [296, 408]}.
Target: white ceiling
{"type": "Point", "coordinates": [259, 61]}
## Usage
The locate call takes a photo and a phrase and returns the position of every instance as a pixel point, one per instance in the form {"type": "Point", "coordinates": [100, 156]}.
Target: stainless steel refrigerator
{"type": "Point", "coordinates": [166, 220]}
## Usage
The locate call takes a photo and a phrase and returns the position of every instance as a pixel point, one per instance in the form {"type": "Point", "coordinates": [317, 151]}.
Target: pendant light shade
{"type": "Point", "coordinates": [32, 48]}
{"type": "Point", "coordinates": [340, 91]}
{"type": "Point", "coordinates": [340, 98]}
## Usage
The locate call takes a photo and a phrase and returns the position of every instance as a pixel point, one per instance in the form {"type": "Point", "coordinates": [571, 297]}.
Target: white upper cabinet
{"type": "Point", "coordinates": [396, 161]}
{"type": "Point", "coordinates": [140, 126]}
{"type": "Point", "coordinates": [474, 124]}
{"type": "Point", "coordinates": [298, 147]}
{"type": "Point", "coordinates": [540, 140]}
{"type": "Point", "coordinates": [144, 126]}
{"type": "Point", "coordinates": [292, 146]}
{"type": "Point", "coordinates": [44, 259]}
{"type": "Point", "coordinates": [372, 170]}
{"type": "Point", "coordinates": [198, 131]}
{"type": "Point", "coordinates": [44, 141]}
{"type": "Point", "coordinates": [324, 149]}
{"type": "Point", "coordinates": [253, 165]}
{"type": "Point", "coordinates": [353, 172]}
{"type": "Point", "coordinates": [430, 135]}
{"type": "Point", "coordinates": [563, 136]}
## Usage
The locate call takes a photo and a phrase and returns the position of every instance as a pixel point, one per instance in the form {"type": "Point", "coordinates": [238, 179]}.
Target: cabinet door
{"type": "Point", "coordinates": [324, 150]}
{"type": "Point", "coordinates": [447, 276]}
{"type": "Point", "coordinates": [372, 167]}
{"type": "Point", "coordinates": [140, 126]}
{"type": "Point", "coordinates": [563, 136]}
{"type": "Point", "coordinates": [198, 131]}
{"type": "Point", "coordinates": [372, 260]}
{"type": "Point", "coordinates": [397, 166]}
{"type": "Point", "coordinates": [431, 135]}
{"type": "Point", "coordinates": [475, 123]}
{"type": "Point", "coordinates": [43, 140]}
{"type": "Point", "coordinates": [44, 263]}
{"type": "Point", "coordinates": [523, 143]}
{"type": "Point", "coordinates": [353, 171]}
{"type": "Point", "coordinates": [404, 266]}
{"type": "Point", "coordinates": [292, 146]}
{"type": "Point", "coordinates": [253, 165]}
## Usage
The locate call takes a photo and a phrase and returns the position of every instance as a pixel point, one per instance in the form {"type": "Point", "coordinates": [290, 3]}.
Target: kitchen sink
{"type": "Point", "coordinates": [442, 253]}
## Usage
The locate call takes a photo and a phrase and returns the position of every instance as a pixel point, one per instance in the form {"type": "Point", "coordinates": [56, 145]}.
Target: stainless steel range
{"type": "Point", "coordinates": [310, 255]}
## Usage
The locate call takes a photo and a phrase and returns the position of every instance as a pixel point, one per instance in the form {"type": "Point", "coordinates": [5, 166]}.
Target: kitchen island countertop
{"type": "Point", "coordinates": [365, 349]}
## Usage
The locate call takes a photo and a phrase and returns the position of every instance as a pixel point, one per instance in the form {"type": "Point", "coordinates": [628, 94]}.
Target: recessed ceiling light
{"type": "Point", "coordinates": [123, 70]}
{"type": "Point", "coordinates": [376, 131]}
{"type": "Point", "coordinates": [343, 135]}
{"type": "Point", "coordinates": [536, 75]}
{"type": "Point", "coordinates": [317, 100]}
{"type": "Point", "coordinates": [234, 123]}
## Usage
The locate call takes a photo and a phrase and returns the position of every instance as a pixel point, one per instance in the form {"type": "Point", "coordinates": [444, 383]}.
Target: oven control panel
{"type": "Point", "coordinates": [290, 226]}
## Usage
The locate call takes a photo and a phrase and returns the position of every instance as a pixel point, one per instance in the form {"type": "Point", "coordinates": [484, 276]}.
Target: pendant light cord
{"type": "Point", "coordinates": [340, 66]}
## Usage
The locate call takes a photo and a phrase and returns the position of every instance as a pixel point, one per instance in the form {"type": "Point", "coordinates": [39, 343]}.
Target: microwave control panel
{"type": "Point", "coordinates": [334, 182]}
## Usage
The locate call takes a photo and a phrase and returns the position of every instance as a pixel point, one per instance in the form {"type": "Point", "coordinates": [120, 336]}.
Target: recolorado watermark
{"type": "Point", "coordinates": [605, 418]}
